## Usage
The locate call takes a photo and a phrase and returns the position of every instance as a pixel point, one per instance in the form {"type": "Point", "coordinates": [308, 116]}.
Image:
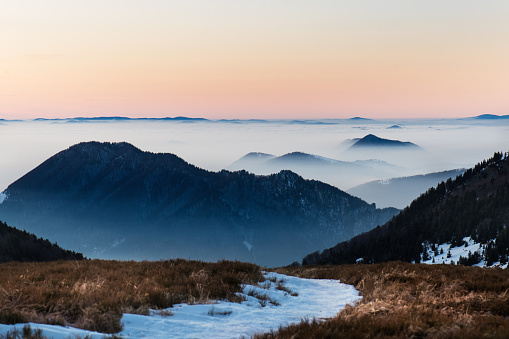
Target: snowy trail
{"type": "Point", "coordinates": [315, 299]}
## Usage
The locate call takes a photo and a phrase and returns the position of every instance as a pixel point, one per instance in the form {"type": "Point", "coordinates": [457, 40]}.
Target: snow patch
{"type": "Point", "coordinates": [448, 254]}
{"type": "Point", "coordinates": [265, 308]}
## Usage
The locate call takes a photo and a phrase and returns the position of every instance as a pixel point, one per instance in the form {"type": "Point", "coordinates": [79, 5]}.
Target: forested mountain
{"type": "Point", "coordinates": [392, 151]}
{"type": "Point", "coordinates": [112, 200]}
{"type": "Point", "coordinates": [475, 205]}
{"type": "Point", "coordinates": [372, 140]}
{"type": "Point", "coordinates": [16, 245]}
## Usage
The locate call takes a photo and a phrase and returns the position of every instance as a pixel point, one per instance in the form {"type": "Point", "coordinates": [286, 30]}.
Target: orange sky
{"type": "Point", "coordinates": [259, 59]}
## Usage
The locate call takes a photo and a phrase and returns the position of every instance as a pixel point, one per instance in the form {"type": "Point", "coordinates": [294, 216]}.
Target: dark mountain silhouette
{"type": "Point", "coordinates": [16, 245]}
{"type": "Point", "coordinates": [112, 200]}
{"type": "Point", "coordinates": [360, 119]}
{"type": "Point", "coordinates": [400, 192]}
{"type": "Point", "coordinates": [475, 205]}
{"type": "Point", "coordinates": [371, 140]}
{"type": "Point", "coordinates": [491, 117]}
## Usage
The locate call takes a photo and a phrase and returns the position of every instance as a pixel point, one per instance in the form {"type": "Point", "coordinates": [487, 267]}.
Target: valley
{"type": "Point", "coordinates": [126, 218]}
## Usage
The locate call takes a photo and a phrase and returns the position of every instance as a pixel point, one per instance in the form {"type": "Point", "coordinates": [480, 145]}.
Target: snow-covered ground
{"type": "Point", "coordinates": [456, 252]}
{"type": "Point", "coordinates": [265, 308]}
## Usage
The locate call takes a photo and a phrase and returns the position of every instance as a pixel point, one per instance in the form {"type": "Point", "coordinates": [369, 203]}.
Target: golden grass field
{"type": "Point", "coordinates": [400, 300]}
{"type": "Point", "coordinates": [93, 294]}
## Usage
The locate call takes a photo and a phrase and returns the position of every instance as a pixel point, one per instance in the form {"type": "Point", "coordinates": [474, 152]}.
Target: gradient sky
{"type": "Point", "coordinates": [254, 59]}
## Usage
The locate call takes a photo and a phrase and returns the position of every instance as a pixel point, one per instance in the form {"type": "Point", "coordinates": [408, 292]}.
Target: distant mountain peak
{"type": "Point", "coordinates": [304, 158]}
{"type": "Point", "coordinates": [108, 147]}
{"type": "Point", "coordinates": [372, 140]}
{"type": "Point", "coordinates": [296, 154]}
{"type": "Point", "coordinates": [257, 155]}
{"type": "Point", "coordinates": [359, 118]}
{"type": "Point", "coordinates": [491, 117]}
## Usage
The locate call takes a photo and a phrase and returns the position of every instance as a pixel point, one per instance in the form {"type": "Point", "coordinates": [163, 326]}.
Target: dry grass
{"type": "Point", "coordinates": [403, 300]}
{"type": "Point", "coordinates": [93, 294]}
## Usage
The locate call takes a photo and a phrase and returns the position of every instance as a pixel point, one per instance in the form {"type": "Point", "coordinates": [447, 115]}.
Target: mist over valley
{"type": "Point", "coordinates": [160, 191]}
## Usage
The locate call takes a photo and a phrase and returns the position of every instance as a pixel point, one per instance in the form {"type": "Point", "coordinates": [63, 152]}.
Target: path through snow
{"type": "Point", "coordinates": [315, 299]}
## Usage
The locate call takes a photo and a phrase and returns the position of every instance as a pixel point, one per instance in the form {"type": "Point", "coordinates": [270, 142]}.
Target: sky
{"type": "Point", "coordinates": [254, 59]}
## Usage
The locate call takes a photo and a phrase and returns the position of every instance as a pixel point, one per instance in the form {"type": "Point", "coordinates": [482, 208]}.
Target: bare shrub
{"type": "Point", "coordinates": [281, 287]}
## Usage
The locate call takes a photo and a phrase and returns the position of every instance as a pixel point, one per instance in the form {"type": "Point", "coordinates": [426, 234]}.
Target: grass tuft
{"type": "Point", "coordinates": [281, 287]}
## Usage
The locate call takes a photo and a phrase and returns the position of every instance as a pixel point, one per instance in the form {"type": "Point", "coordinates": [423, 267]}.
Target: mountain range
{"type": "Point", "coordinates": [112, 200]}
{"type": "Point", "coordinates": [400, 192]}
{"type": "Point", "coordinates": [491, 117]}
{"type": "Point", "coordinates": [473, 208]}
{"type": "Point", "coordinates": [342, 174]}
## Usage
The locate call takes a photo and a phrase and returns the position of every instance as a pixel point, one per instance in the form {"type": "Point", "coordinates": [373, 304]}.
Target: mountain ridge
{"type": "Point", "coordinates": [341, 174]}
{"type": "Point", "coordinates": [119, 199]}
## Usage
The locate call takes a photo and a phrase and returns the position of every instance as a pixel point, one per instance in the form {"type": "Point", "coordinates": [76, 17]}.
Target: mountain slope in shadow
{"type": "Point", "coordinates": [112, 200]}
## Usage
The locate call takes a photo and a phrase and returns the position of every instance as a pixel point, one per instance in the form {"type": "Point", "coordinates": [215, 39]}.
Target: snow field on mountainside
{"type": "Point", "coordinates": [444, 250]}
{"type": "Point", "coordinates": [279, 301]}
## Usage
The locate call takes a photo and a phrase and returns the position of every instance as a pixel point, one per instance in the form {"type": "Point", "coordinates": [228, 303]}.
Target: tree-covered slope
{"type": "Point", "coordinates": [475, 205]}
{"type": "Point", "coordinates": [16, 245]}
